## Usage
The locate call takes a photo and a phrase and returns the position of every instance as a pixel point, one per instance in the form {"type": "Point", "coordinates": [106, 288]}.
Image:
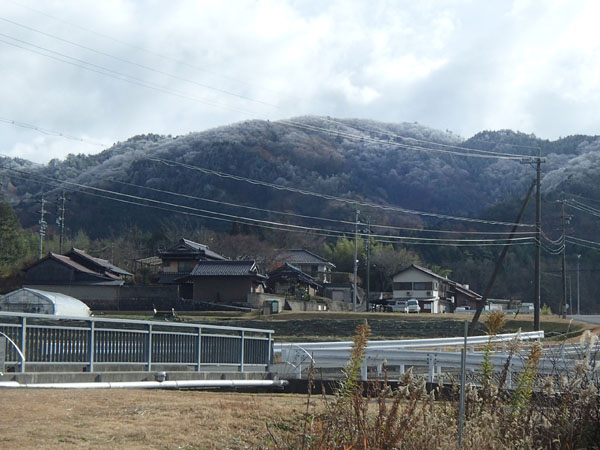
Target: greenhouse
{"type": "Point", "coordinates": [43, 302]}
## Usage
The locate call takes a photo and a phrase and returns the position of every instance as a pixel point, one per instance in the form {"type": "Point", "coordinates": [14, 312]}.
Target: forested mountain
{"type": "Point", "coordinates": [405, 165]}
{"type": "Point", "coordinates": [358, 159]}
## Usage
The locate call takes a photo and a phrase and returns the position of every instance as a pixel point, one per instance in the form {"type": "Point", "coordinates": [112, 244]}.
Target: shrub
{"type": "Point", "coordinates": [557, 411]}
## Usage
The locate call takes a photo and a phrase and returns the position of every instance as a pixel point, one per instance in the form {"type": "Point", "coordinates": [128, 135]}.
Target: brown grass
{"type": "Point", "coordinates": [128, 418]}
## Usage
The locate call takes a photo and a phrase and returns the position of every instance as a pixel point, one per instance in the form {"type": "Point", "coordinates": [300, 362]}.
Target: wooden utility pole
{"type": "Point", "coordinates": [355, 261]}
{"type": "Point", "coordinates": [563, 305]}
{"type": "Point", "coordinates": [60, 219]}
{"type": "Point", "coordinates": [43, 226]}
{"type": "Point", "coordinates": [538, 245]}
{"type": "Point", "coordinates": [368, 244]}
{"type": "Point", "coordinates": [488, 289]}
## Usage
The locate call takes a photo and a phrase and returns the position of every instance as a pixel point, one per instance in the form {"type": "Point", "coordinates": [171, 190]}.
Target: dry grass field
{"type": "Point", "coordinates": [129, 418]}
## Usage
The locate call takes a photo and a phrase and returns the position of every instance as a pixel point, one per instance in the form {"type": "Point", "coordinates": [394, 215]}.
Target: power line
{"type": "Point", "coordinates": [112, 73]}
{"type": "Point", "coordinates": [303, 216]}
{"type": "Point", "coordinates": [132, 199]}
{"type": "Point", "coordinates": [327, 196]}
{"type": "Point", "coordinates": [133, 63]}
{"type": "Point", "coordinates": [137, 47]}
{"type": "Point", "coordinates": [149, 85]}
{"type": "Point", "coordinates": [50, 132]}
{"type": "Point", "coordinates": [423, 141]}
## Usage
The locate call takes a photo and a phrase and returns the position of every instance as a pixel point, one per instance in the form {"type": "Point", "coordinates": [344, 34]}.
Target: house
{"type": "Point", "coordinates": [179, 260]}
{"type": "Point", "coordinates": [225, 281]}
{"type": "Point", "coordinates": [290, 280]}
{"type": "Point", "coordinates": [94, 281]}
{"type": "Point", "coordinates": [436, 294]}
{"type": "Point", "coordinates": [75, 267]}
{"type": "Point", "coordinates": [344, 292]}
{"type": "Point", "coordinates": [308, 262]}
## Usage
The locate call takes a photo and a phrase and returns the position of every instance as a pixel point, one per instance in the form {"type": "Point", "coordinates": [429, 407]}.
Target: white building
{"type": "Point", "coordinates": [42, 302]}
{"type": "Point", "coordinates": [436, 294]}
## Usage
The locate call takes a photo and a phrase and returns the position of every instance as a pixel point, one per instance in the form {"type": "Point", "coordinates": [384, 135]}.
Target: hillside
{"type": "Point", "coordinates": [375, 167]}
{"type": "Point", "coordinates": [388, 164]}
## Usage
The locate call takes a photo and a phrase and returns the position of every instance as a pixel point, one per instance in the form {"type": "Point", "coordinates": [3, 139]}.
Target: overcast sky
{"type": "Point", "coordinates": [103, 71]}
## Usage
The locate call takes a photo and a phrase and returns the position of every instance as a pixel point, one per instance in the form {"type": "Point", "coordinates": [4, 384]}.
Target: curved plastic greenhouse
{"type": "Point", "coordinates": [43, 302]}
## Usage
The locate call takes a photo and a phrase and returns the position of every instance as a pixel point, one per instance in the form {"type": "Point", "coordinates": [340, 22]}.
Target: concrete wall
{"type": "Point", "coordinates": [332, 305]}
{"type": "Point", "coordinates": [257, 300]}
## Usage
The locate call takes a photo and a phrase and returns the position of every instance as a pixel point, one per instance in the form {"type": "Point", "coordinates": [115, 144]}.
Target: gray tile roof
{"type": "Point", "coordinates": [297, 256]}
{"type": "Point", "coordinates": [224, 268]}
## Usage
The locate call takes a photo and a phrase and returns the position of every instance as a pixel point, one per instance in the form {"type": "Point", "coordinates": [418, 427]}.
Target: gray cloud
{"type": "Point", "coordinates": [458, 65]}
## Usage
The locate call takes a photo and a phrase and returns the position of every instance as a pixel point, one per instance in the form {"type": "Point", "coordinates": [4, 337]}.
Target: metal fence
{"type": "Point", "coordinates": [433, 358]}
{"type": "Point", "coordinates": [36, 340]}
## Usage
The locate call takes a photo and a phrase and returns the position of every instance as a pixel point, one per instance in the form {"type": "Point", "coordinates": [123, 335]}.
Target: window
{"type": "Point", "coordinates": [185, 266]}
{"type": "Point", "coordinates": [402, 286]}
{"type": "Point", "coordinates": [423, 286]}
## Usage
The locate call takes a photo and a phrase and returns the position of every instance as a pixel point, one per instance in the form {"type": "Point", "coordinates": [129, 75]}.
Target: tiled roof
{"type": "Point", "coordinates": [99, 261]}
{"type": "Point", "coordinates": [297, 256]}
{"type": "Point", "coordinates": [195, 247]}
{"type": "Point", "coordinates": [288, 268]}
{"type": "Point", "coordinates": [224, 268]}
{"type": "Point", "coordinates": [422, 269]}
{"type": "Point", "coordinates": [69, 262]}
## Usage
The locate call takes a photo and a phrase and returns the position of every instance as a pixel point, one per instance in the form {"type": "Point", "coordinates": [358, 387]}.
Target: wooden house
{"type": "Point", "coordinates": [225, 281]}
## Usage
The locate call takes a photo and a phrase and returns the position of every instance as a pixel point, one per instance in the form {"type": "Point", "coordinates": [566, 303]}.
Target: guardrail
{"type": "Point", "coordinates": [401, 354]}
{"type": "Point", "coordinates": [117, 344]}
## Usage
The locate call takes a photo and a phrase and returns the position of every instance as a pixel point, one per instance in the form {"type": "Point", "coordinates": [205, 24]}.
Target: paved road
{"type": "Point", "coordinates": [586, 318]}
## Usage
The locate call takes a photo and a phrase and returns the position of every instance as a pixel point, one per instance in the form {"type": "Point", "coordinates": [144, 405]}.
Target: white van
{"type": "Point", "coordinates": [412, 306]}
{"type": "Point", "coordinates": [397, 306]}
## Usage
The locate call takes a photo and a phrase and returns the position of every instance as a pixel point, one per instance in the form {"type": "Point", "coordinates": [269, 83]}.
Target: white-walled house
{"type": "Point", "coordinates": [436, 294]}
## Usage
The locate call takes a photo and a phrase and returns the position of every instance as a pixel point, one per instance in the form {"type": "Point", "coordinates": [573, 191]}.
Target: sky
{"type": "Point", "coordinates": [77, 76]}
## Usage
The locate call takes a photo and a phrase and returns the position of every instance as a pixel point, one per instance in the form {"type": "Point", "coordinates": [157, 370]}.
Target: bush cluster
{"type": "Point", "coordinates": [561, 411]}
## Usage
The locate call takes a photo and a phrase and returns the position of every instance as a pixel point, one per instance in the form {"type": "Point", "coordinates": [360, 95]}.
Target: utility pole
{"type": "Point", "coordinates": [368, 244]}
{"type": "Point", "coordinates": [563, 306]}
{"type": "Point", "coordinates": [538, 244]}
{"type": "Point", "coordinates": [60, 219]}
{"type": "Point", "coordinates": [481, 303]}
{"type": "Point", "coordinates": [43, 226]}
{"type": "Point", "coordinates": [578, 310]}
{"type": "Point", "coordinates": [355, 261]}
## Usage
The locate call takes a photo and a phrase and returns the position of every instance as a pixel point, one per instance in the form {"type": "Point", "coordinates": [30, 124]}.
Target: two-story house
{"type": "Point", "coordinates": [179, 260]}
{"type": "Point", "coordinates": [308, 262]}
{"type": "Point", "coordinates": [436, 294]}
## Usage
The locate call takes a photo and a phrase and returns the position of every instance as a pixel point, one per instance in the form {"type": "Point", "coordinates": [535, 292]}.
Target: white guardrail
{"type": "Point", "coordinates": [424, 354]}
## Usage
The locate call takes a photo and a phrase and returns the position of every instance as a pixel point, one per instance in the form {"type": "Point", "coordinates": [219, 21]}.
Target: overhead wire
{"type": "Point", "coordinates": [422, 141]}
{"type": "Point", "coordinates": [330, 197]}
{"type": "Point", "coordinates": [49, 132]}
{"type": "Point", "coordinates": [269, 224]}
{"type": "Point", "coordinates": [318, 218]}
{"type": "Point", "coordinates": [133, 63]}
{"type": "Point", "coordinates": [96, 68]}
{"type": "Point", "coordinates": [78, 62]}
{"type": "Point", "coordinates": [140, 48]}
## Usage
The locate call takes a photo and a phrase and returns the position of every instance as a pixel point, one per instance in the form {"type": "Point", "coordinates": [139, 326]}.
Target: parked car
{"type": "Point", "coordinates": [412, 306]}
{"type": "Point", "coordinates": [464, 309]}
{"type": "Point", "coordinates": [397, 306]}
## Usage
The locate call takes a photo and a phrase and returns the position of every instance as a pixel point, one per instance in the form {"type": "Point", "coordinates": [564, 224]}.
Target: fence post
{"type": "Point", "coordinates": [199, 355]}
{"type": "Point", "coordinates": [242, 338]}
{"type": "Point", "coordinates": [269, 352]}
{"type": "Point", "coordinates": [431, 367]}
{"type": "Point", "coordinates": [23, 341]}
{"type": "Point", "coordinates": [92, 344]}
{"type": "Point", "coordinates": [149, 348]}
{"type": "Point", "coordinates": [363, 370]}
